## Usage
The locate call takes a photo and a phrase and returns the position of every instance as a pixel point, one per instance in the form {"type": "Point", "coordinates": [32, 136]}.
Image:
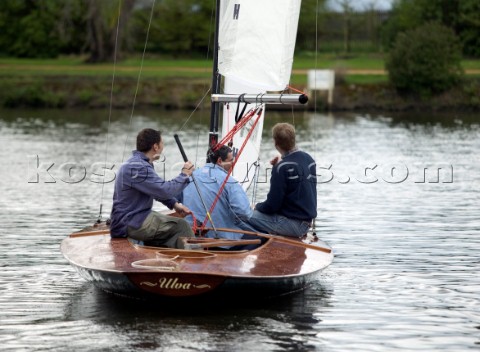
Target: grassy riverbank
{"type": "Point", "coordinates": [361, 84]}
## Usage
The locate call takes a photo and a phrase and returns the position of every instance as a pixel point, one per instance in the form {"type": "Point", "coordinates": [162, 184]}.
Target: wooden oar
{"type": "Point", "coordinates": [277, 238]}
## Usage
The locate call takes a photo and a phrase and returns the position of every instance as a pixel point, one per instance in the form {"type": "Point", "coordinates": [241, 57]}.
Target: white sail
{"type": "Point", "coordinates": [257, 41]}
{"type": "Point", "coordinates": [255, 55]}
{"type": "Point", "coordinates": [245, 166]}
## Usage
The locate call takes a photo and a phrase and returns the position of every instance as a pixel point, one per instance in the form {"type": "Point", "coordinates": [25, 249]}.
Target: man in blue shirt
{"type": "Point", "coordinates": [232, 207]}
{"type": "Point", "coordinates": [291, 202]}
{"type": "Point", "coordinates": [137, 185]}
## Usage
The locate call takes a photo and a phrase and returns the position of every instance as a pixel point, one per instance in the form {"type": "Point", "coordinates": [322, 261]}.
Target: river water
{"type": "Point", "coordinates": [398, 200]}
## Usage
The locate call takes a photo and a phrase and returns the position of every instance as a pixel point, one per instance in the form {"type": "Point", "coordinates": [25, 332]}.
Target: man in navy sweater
{"type": "Point", "coordinates": [137, 185]}
{"type": "Point", "coordinates": [291, 203]}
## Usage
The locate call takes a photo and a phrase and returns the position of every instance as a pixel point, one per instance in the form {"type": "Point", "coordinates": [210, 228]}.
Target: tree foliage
{"type": "Point", "coordinates": [40, 28]}
{"type": "Point", "coordinates": [48, 28]}
{"type": "Point", "coordinates": [177, 28]}
{"type": "Point", "coordinates": [312, 13]}
{"type": "Point", "coordinates": [462, 16]}
{"type": "Point", "coordinates": [106, 24]}
{"type": "Point", "coordinates": [469, 26]}
{"type": "Point", "coordinates": [425, 60]}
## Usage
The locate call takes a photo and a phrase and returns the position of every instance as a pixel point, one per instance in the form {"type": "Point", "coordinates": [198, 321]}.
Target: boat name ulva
{"type": "Point", "coordinates": [173, 283]}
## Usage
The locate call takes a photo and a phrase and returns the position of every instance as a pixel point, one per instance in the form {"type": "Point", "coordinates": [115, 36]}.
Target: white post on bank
{"type": "Point", "coordinates": [322, 80]}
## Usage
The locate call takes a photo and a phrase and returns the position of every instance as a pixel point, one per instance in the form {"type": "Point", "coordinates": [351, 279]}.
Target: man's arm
{"type": "Point", "coordinates": [238, 201]}
{"type": "Point", "coordinates": [146, 180]}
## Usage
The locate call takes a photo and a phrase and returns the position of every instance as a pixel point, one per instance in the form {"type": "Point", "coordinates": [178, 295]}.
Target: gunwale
{"type": "Point", "coordinates": [276, 267]}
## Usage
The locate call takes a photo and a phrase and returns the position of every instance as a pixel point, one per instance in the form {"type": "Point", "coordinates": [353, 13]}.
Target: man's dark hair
{"type": "Point", "coordinates": [222, 152]}
{"type": "Point", "coordinates": [146, 138]}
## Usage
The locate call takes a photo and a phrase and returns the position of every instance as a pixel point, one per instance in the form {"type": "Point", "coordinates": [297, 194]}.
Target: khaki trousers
{"type": "Point", "coordinates": [161, 230]}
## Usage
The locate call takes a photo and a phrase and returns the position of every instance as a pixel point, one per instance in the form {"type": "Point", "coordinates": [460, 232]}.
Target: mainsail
{"type": "Point", "coordinates": [256, 43]}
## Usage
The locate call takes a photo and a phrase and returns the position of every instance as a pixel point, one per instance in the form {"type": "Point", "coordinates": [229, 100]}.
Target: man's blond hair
{"type": "Point", "coordinates": [284, 136]}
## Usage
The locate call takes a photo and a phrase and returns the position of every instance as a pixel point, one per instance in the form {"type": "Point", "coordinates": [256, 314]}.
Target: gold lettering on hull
{"type": "Point", "coordinates": [173, 284]}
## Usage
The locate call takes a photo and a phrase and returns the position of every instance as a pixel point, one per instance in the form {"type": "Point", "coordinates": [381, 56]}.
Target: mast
{"type": "Point", "coordinates": [216, 80]}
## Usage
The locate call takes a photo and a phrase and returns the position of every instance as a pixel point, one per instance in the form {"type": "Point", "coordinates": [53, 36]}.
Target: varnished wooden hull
{"type": "Point", "coordinates": [118, 266]}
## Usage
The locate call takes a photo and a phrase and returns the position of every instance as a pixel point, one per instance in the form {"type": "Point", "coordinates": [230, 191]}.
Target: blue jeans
{"type": "Point", "coordinates": [278, 224]}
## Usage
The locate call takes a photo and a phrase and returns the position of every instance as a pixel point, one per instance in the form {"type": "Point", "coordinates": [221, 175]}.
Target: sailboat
{"type": "Point", "coordinates": [254, 44]}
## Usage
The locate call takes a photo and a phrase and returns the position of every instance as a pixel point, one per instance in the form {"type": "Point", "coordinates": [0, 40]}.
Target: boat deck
{"type": "Point", "coordinates": [274, 258]}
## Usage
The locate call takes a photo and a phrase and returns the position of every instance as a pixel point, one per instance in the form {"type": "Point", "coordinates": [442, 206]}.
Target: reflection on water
{"type": "Point", "coordinates": [398, 200]}
{"type": "Point", "coordinates": [220, 325]}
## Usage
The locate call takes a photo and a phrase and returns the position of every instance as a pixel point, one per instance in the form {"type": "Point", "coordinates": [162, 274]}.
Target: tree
{"type": "Point", "coordinates": [28, 28]}
{"type": "Point", "coordinates": [311, 16]}
{"type": "Point", "coordinates": [106, 26]}
{"type": "Point", "coordinates": [469, 27]}
{"type": "Point", "coordinates": [425, 60]}
{"type": "Point", "coordinates": [372, 22]}
{"type": "Point", "coordinates": [463, 16]}
{"type": "Point", "coordinates": [71, 26]}
{"type": "Point", "coordinates": [405, 15]}
{"type": "Point", "coordinates": [179, 27]}
{"type": "Point", "coordinates": [347, 9]}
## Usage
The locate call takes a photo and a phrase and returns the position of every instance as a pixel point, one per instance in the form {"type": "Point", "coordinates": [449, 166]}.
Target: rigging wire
{"type": "Point", "coordinates": [290, 88]}
{"type": "Point", "coordinates": [315, 102]}
{"type": "Point", "coordinates": [256, 176]}
{"type": "Point", "coordinates": [315, 90]}
{"type": "Point", "coordinates": [196, 108]}
{"type": "Point", "coordinates": [219, 193]}
{"type": "Point", "coordinates": [138, 79]}
{"type": "Point", "coordinates": [236, 128]}
{"type": "Point", "coordinates": [99, 219]}
{"type": "Point", "coordinates": [212, 23]}
{"type": "Point", "coordinates": [256, 165]}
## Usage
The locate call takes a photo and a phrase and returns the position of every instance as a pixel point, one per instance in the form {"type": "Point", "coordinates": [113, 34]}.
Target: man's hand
{"type": "Point", "coordinates": [275, 160]}
{"type": "Point", "coordinates": [187, 168]}
{"type": "Point", "coordinates": [181, 209]}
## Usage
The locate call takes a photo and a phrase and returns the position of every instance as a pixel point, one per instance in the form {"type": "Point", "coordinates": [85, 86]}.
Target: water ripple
{"type": "Point", "coordinates": [405, 274]}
